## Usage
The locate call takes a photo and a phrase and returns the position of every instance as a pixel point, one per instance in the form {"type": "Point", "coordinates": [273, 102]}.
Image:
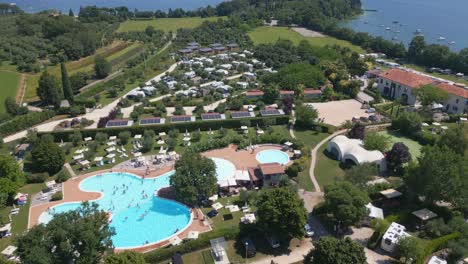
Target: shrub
{"type": "Point", "coordinates": [57, 196]}
{"type": "Point", "coordinates": [62, 176]}
{"type": "Point", "coordinates": [24, 122]}
{"type": "Point", "coordinates": [37, 177]}
{"type": "Point", "coordinates": [293, 170]}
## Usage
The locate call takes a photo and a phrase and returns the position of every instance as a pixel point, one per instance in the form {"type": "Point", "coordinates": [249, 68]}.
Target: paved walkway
{"type": "Point", "coordinates": [314, 159]}
{"type": "Point", "coordinates": [295, 255]}
{"type": "Point", "coordinates": [70, 170]}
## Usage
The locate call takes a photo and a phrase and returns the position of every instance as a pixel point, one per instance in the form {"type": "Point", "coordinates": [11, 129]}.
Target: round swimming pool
{"type": "Point", "coordinates": [224, 169]}
{"type": "Point", "coordinates": [138, 216]}
{"type": "Point", "coordinates": [272, 155]}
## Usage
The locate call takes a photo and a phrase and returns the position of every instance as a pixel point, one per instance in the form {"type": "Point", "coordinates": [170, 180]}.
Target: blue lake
{"type": "Point", "coordinates": [435, 19]}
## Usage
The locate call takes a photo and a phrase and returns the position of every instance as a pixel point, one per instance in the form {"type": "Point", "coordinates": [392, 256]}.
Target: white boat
{"type": "Point", "coordinates": [418, 31]}
{"type": "Point", "coordinates": [452, 42]}
{"type": "Point", "coordinates": [441, 38]}
{"type": "Point", "coordinates": [387, 28]}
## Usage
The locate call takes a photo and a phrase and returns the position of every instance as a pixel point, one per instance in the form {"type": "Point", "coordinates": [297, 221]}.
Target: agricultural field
{"type": "Point", "coordinates": [267, 34]}
{"type": "Point", "coordinates": [9, 81]}
{"type": "Point", "coordinates": [166, 24]}
{"type": "Point", "coordinates": [117, 53]}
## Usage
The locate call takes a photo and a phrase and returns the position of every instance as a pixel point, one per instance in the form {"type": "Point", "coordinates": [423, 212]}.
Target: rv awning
{"type": "Point", "coordinates": [8, 251]}
{"type": "Point", "coordinates": [375, 212]}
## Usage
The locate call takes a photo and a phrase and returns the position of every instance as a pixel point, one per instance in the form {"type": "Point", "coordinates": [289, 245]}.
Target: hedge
{"type": "Point", "coordinates": [190, 126]}
{"type": "Point", "coordinates": [25, 121]}
{"type": "Point", "coordinates": [203, 241]}
{"type": "Point", "coordinates": [435, 244]}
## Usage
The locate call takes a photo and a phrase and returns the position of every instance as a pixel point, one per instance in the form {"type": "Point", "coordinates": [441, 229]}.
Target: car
{"type": "Point", "coordinates": [273, 241]}
{"type": "Point", "coordinates": [309, 231]}
{"type": "Point", "coordinates": [212, 213]}
{"type": "Point", "coordinates": [249, 247]}
{"type": "Point", "coordinates": [370, 110]}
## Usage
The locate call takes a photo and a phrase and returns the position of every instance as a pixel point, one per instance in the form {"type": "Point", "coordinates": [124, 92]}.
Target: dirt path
{"type": "Point", "coordinates": [314, 159]}
{"type": "Point", "coordinates": [21, 89]}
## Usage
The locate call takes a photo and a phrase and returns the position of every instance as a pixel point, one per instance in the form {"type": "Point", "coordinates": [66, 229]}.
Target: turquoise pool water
{"type": "Point", "coordinates": [224, 169]}
{"type": "Point", "coordinates": [273, 155]}
{"type": "Point", "coordinates": [138, 216]}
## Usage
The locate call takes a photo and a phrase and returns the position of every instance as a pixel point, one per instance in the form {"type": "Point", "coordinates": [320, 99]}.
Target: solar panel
{"type": "Point", "coordinates": [116, 123]}
{"type": "Point", "coordinates": [211, 116]}
{"type": "Point", "coordinates": [269, 112]}
{"type": "Point", "coordinates": [240, 114]}
{"type": "Point", "coordinates": [176, 119]}
{"type": "Point", "coordinates": [149, 121]}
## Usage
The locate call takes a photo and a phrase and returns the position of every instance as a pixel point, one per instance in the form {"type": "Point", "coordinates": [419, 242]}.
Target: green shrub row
{"type": "Point", "coordinates": [436, 244]}
{"type": "Point", "coordinates": [190, 126]}
{"type": "Point", "coordinates": [24, 122]}
{"type": "Point", "coordinates": [203, 241]}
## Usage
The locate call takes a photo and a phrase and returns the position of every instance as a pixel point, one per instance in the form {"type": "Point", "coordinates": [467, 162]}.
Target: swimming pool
{"type": "Point", "coordinates": [224, 169]}
{"type": "Point", "coordinates": [272, 155]}
{"type": "Point", "coordinates": [138, 216]}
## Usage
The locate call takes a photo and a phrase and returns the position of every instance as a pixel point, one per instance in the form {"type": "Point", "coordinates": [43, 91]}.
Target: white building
{"type": "Point", "coordinates": [399, 84]}
{"type": "Point", "coordinates": [171, 84]}
{"type": "Point", "coordinates": [190, 74]}
{"type": "Point", "coordinates": [209, 69]}
{"type": "Point", "coordinates": [242, 85]}
{"type": "Point", "coordinates": [222, 72]}
{"type": "Point", "coordinates": [392, 235]}
{"type": "Point", "coordinates": [436, 260]}
{"type": "Point", "coordinates": [226, 66]}
{"type": "Point", "coordinates": [346, 149]}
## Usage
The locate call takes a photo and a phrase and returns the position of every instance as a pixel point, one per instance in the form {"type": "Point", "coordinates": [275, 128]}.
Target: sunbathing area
{"type": "Point", "coordinates": [128, 193]}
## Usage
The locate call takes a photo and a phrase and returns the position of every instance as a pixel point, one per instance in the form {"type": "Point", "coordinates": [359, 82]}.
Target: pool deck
{"type": "Point", "coordinates": [242, 159]}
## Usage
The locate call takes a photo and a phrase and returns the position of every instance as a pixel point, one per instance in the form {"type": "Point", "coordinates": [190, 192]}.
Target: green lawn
{"type": "Point", "coordinates": [267, 34]}
{"type": "Point", "coordinates": [311, 139]}
{"type": "Point", "coordinates": [9, 84]}
{"type": "Point", "coordinates": [166, 24]}
{"type": "Point", "coordinates": [327, 170]}
{"type": "Point", "coordinates": [20, 221]}
{"type": "Point", "coordinates": [414, 146]}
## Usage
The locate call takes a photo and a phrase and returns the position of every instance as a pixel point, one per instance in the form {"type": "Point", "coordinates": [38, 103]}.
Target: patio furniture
{"type": "Point", "coordinates": [192, 235]}
{"type": "Point", "coordinates": [217, 206]}
{"type": "Point", "coordinates": [175, 240]}
{"type": "Point", "coordinates": [138, 136]}
{"type": "Point", "coordinates": [112, 138]}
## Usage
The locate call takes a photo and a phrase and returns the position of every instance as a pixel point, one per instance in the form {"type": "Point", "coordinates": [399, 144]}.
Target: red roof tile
{"type": "Point", "coordinates": [312, 91]}
{"type": "Point", "coordinates": [452, 89]}
{"type": "Point", "coordinates": [271, 168]}
{"type": "Point", "coordinates": [406, 78]}
{"type": "Point", "coordinates": [254, 92]}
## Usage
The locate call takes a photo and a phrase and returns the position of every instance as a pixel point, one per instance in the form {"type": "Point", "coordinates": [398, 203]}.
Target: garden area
{"type": "Point", "coordinates": [165, 24]}
{"type": "Point", "coordinates": [9, 81]}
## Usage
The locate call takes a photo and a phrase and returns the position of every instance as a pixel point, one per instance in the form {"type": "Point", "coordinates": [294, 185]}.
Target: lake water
{"type": "Point", "coordinates": [65, 5]}
{"type": "Point", "coordinates": [400, 19]}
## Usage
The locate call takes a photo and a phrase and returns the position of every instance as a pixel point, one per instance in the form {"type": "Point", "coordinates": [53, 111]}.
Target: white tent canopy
{"type": "Point", "coordinates": [375, 212]}
{"type": "Point", "coordinates": [8, 251]}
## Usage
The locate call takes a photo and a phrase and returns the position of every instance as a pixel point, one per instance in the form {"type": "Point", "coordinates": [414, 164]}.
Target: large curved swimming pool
{"type": "Point", "coordinates": [138, 216]}
{"type": "Point", "coordinates": [224, 169]}
{"type": "Point", "coordinates": [272, 155]}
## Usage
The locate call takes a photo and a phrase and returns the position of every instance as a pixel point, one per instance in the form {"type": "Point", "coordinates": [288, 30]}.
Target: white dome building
{"type": "Point", "coordinates": [347, 149]}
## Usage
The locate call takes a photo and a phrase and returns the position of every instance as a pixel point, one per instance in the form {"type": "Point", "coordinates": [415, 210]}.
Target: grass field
{"type": "Point", "coordinates": [327, 169]}
{"type": "Point", "coordinates": [9, 84]}
{"type": "Point", "coordinates": [267, 34]}
{"type": "Point", "coordinates": [414, 146]}
{"type": "Point", "coordinates": [113, 53]}
{"type": "Point", "coordinates": [166, 24]}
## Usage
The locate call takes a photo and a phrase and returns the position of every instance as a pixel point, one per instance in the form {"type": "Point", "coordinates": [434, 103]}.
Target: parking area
{"type": "Point", "coordinates": [337, 112]}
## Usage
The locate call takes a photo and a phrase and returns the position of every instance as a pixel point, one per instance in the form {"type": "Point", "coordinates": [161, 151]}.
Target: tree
{"type": "Point", "coordinates": [195, 178]}
{"type": "Point", "coordinates": [102, 67]}
{"type": "Point", "coordinates": [47, 156]}
{"type": "Point", "coordinates": [409, 248]}
{"type": "Point", "coordinates": [70, 13]}
{"type": "Point", "coordinates": [329, 250]}
{"type": "Point", "coordinates": [305, 116]}
{"type": "Point", "coordinates": [408, 123]}
{"type": "Point", "coordinates": [456, 139]}
{"type": "Point", "coordinates": [429, 94]}
{"type": "Point", "coordinates": [416, 49]}
{"type": "Point", "coordinates": [11, 177]}
{"type": "Point", "coordinates": [397, 157]}
{"type": "Point", "coordinates": [376, 141]}
{"type": "Point", "coordinates": [361, 174]}
{"type": "Point", "coordinates": [281, 212]}
{"type": "Point", "coordinates": [346, 202]}
{"type": "Point", "coordinates": [358, 131]}
{"type": "Point", "coordinates": [126, 257]}
{"type": "Point", "coordinates": [124, 136]}
{"type": "Point", "coordinates": [10, 106]}
{"type": "Point", "coordinates": [440, 175]}
{"type": "Point", "coordinates": [61, 240]}
{"type": "Point", "coordinates": [66, 86]}
{"type": "Point", "coordinates": [49, 89]}
{"type": "Point", "coordinates": [270, 95]}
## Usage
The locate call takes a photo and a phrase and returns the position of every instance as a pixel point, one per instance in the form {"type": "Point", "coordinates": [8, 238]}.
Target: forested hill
{"type": "Point", "coordinates": [301, 12]}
